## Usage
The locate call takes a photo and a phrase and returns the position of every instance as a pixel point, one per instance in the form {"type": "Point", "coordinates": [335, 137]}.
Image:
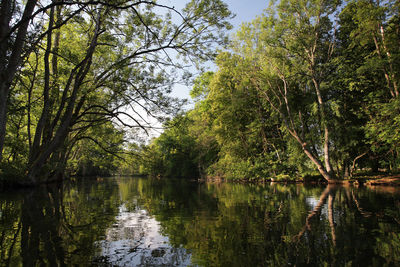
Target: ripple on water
{"type": "Point", "coordinates": [135, 240]}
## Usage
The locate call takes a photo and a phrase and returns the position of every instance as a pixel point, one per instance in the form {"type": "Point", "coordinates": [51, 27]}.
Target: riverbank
{"type": "Point", "coordinates": [357, 180]}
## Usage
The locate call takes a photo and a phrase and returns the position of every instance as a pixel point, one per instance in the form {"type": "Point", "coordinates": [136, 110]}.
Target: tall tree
{"type": "Point", "coordinates": [122, 58]}
{"type": "Point", "coordinates": [291, 46]}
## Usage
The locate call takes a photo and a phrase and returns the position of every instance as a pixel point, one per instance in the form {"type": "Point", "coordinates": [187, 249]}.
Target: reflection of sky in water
{"type": "Point", "coordinates": [313, 202]}
{"type": "Point", "coordinates": [135, 240]}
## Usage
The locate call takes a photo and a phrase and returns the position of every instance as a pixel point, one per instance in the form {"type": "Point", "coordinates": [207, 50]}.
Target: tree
{"type": "Point", "coordinates": [173, 153]}
{"type": "Point", "coordinates": [290, 49]}
{"type": "Point", "coordinates": [12, 40]}
{"type": "Point", "coordinates": [122, 58]}
{"type": "Point", "coordinates": [246, 133]}
{"type": "Point", "coordinates": [369, 38]}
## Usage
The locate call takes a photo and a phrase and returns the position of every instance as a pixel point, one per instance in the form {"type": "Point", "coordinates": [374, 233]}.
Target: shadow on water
{"type": "Point", "coordinates": [55, 225]}
{"type": "Point", "coordinates": [145, 222]}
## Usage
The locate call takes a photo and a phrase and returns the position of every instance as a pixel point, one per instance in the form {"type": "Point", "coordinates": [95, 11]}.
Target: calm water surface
{"type": "Point", "coordinates": [145, 222]}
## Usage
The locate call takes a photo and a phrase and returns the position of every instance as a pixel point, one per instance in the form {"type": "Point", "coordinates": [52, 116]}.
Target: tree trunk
{"type": "Point", "coordinates": [10, 64]}
{"type": "Point", "coordinates": [322, 170]}
{"type": "Point", "coordinates": [346, 169]}
{"type": "Point", "coordinates": [328, 165]}
{"type": "Point", "coordinates": [78, 74]}
{"type": "Point", "coordinates": [3, 116]}
{"type": "Point", "coordinates": [40, 128]}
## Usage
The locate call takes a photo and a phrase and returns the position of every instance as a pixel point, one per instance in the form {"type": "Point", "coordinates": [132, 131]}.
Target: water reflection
{"type": "Point", "coordinates": [139, 222]}
{"type": "Point", "coordinates": [135, 240]}
{"type": "Point", "coordinates": [55, 225]}
{"type": "Point", "coordinates": [329, 192]}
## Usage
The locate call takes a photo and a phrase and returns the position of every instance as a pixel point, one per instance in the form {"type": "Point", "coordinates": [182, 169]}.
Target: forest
{"type": "Point", "coordinates": [309, 88]}
{"type": "Point", "coordinates": [79, 78]}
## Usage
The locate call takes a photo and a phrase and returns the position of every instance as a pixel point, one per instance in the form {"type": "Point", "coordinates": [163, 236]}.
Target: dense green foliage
{"type": "Point", "coordinates": [79, 78]}
{"type": "Point", "coordinates": [308, 87]}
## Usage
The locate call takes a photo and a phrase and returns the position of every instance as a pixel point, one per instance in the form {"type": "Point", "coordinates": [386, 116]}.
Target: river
{"type": "Point", "coordinates": [148, 222]}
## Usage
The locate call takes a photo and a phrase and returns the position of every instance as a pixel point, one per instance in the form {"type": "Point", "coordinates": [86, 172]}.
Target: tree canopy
{"type": "Point", "coordinates": [75, 74]}
{"type": "Point", "coordinates": [307, 88]}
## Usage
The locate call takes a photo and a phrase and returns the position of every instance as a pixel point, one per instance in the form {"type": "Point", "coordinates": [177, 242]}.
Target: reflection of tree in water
{"type": "Point", "coordinates": [360, 222]}
{"type": "Point", "coordinates": [56, 228]}
{"type": "Point", "coordinates": [41, 224]}
{"type": "Point", "coordinates": [329, 193]}
{"type": "Point", "coordinates": [10, 226]}
{"type": "Point", "coordinates": [273, 226]}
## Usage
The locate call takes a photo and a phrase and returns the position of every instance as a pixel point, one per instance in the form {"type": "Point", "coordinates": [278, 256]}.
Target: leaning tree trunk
{"type": "Point", "coordinates": [314, 158]}
{"type": "Point", "coordinates": [284, 109]}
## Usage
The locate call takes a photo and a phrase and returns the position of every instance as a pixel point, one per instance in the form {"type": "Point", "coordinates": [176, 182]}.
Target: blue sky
{"type": "Point", "coordinates": [246, 11]}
